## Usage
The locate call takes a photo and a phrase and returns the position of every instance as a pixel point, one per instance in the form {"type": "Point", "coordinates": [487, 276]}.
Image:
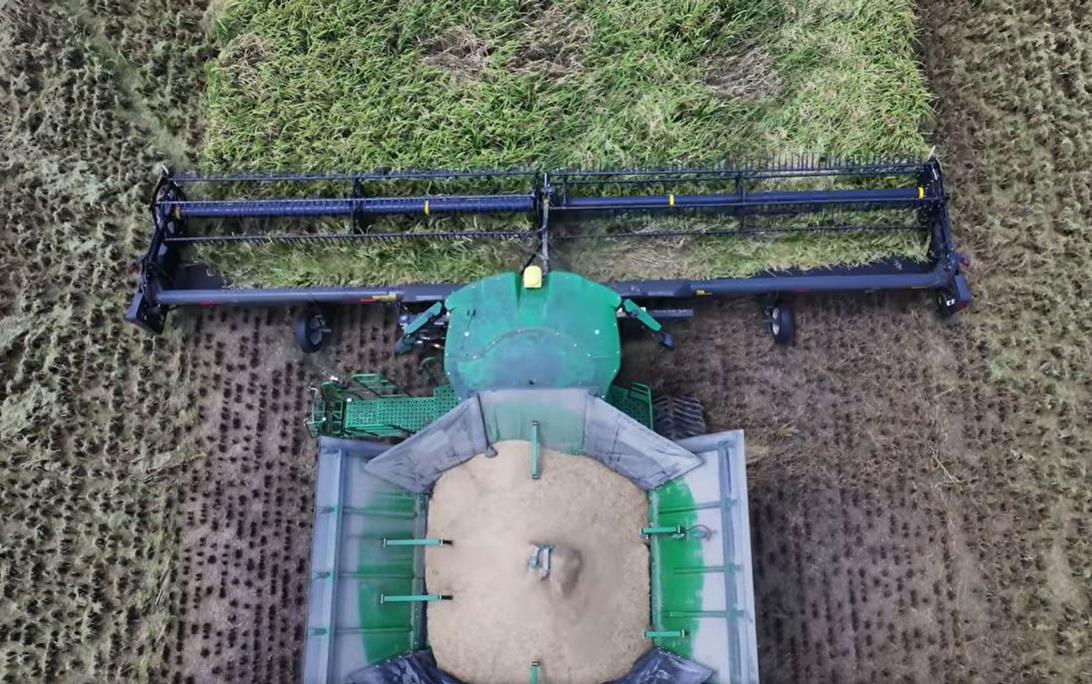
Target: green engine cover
{"type": "Point", "coordinates": [502, 335]}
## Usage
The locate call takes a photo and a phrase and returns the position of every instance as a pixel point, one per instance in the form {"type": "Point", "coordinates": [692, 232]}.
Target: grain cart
{"type": "Point", "coordinates": [529, 357]}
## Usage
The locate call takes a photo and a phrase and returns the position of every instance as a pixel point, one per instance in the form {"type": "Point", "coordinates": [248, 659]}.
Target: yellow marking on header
{"type": "Point", "coordinates": [921, 193]}
{"type": "Point", "coordinates": [671, 199]}
{"type": "Point", "coordinates": [532, 277]}
{"type": "Point", "coordinates": [426, 207]}
{"type": "Point", "coordinates": [701, 293]}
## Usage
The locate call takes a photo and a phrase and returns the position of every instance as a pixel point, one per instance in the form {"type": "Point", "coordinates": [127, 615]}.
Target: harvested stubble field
{"type": "Point", "coordinates": [920, 492]}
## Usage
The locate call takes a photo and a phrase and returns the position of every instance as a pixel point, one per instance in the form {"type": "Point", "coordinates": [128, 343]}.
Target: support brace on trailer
{"type": "Point", "coordinates": [750, 200]}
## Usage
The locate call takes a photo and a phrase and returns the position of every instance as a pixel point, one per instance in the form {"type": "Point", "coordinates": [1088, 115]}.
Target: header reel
{"type": "Point", "coordinates": [561, 209]}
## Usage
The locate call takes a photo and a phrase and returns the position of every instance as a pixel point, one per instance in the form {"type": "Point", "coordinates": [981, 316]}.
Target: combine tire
{"type": "Point", "coordinates": [311, 330]}
{"type": "Point", "coordinates": [678, 417]}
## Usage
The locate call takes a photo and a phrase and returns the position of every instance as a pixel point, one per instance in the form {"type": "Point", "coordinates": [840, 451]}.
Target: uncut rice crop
{"type": "Point", "coordinates": [313, 85]}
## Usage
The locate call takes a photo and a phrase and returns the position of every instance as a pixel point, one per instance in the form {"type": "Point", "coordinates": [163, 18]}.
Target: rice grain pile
{"type": "Point", "coordinates": [584, 623]}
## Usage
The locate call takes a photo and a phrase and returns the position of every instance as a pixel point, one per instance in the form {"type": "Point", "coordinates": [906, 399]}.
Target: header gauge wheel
{"type": "Point", "coordinates": [311, 329]}
{"type": "Point", "coordinates": [782, 322]}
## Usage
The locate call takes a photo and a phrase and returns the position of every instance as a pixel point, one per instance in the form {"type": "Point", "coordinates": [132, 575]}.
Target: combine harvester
{"type": "Point", "coordinates": [531, 356]}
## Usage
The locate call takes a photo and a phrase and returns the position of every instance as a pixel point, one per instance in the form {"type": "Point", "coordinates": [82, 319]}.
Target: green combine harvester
{"type": "Point", "coordinates": [532, 355]}
{"type": "Point", "coordinates": [528, 357]}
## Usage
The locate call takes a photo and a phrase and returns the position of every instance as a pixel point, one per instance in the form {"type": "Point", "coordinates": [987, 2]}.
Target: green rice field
{"type": "Point", "coordinates": [317, 86]}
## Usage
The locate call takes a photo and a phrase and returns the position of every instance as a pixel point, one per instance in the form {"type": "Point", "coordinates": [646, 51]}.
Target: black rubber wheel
{"type": "Point", "coordinates": [782, 322]}
{"type": "Point", "coordinates": [678, 417]}
{"type": "Point", "coordinates": [946, 303]}
{"type": "Point", "coordinates": [311, 330]}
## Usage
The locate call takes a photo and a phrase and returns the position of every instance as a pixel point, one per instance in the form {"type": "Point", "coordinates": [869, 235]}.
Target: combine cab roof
{"type": "Point", "coordinates": [505, 334]}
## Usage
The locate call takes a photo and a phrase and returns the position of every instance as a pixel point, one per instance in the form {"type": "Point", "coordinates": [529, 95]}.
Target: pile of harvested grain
{"type": "Point", "coordinates": [585, 622]}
